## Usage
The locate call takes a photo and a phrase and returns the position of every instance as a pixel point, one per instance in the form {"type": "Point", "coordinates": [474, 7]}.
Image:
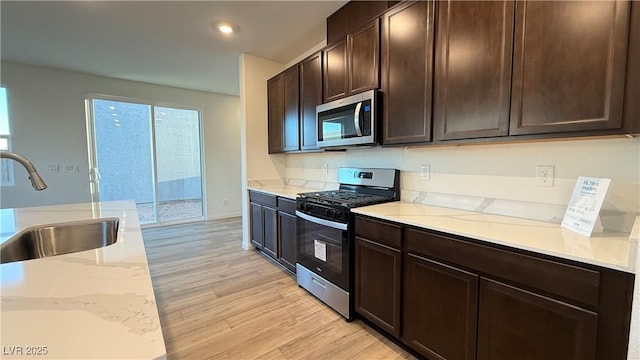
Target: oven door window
{"type": "Point", "coordinates": [325, 251]}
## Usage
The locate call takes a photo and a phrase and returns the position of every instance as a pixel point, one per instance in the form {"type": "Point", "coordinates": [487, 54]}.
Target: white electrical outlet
{"type": "Point", "coordinates": [53, 168]}
{"type": "Point", "coordinates": [325, 169]}
{"type": "Point", "coordinates": [544, 175]}
{"type": "Point", "coordinates": [425, 172]}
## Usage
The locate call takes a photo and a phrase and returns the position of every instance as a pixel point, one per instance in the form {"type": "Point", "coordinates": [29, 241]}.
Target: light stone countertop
{"type": "Point", "coordinates": [94, 304]}
{"type": "Point", "coordinates": [608, 249]}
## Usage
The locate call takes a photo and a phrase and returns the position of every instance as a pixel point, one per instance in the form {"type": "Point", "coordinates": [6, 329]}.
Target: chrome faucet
{"type": "Point", "coordinates": [36, 180]}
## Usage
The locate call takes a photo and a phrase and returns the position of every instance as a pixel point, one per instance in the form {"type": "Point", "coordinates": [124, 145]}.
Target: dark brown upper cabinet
{"type": "Point", "coordinates": [363, 58]}
{"type": "Point", "coordinates": [310, 97]}
{"type": "Point", "coordinates": [275, 113]}
{"type": "Point", "coordinates": [334, 76]}
{"type": "Point", "coordinates": [407, 72]}
{"type": "Point", "coordinates": [569, 66]}
{"type": "Point", "coordinates": [351, 65]}
{"type": "Point", "coordinates": [631, 116]}
{"type": "Point", "coordinates": [473, 69]}
{"type": "Point", "coordinates": [353, 15]}
{"type": "Point", "coordinates": [283, 111]}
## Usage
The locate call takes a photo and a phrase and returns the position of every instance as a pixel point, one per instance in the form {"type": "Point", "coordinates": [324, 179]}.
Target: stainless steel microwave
{"type": "Point", "coordinates": [348, 121]}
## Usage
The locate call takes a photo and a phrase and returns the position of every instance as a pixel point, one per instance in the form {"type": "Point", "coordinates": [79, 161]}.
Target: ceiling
{"type": "Point", "coordinates": [172, 43]}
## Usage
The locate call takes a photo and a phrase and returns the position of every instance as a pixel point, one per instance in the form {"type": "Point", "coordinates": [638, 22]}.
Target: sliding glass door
{"type": "Point", "coordinates": [179, 170]}
{"type": "Point", "coordinates": [149, 154]}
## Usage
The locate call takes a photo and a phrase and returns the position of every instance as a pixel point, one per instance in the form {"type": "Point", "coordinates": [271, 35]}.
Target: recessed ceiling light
{"type": "Point", "coordinates": [225, 28]}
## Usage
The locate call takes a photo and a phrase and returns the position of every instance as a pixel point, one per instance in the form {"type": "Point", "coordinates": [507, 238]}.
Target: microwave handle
{"type": "Point", "coordinates": [356, 119]}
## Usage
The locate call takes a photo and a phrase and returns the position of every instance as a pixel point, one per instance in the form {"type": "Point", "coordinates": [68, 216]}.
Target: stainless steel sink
{"type": "Point", "coordinates": [57, 239]}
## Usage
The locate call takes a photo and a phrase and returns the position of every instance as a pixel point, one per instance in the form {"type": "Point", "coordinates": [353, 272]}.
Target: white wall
{"type": "Point", "coordinates": [254, 73]}
{"type": "Point", "coordinates": [256, 162]}
{"type": "Point", "coordinates": [312, 50]}
{"type": "Point", "coordinates": [504, 171]}
{"type": "Point", "coordinates": [498, 171]}
{"type": "Point", "coordinates": [47, 114]}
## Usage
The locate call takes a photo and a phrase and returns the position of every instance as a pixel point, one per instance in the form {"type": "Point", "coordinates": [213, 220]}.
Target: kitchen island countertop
{"type": "Point", "coordinates": [94, 304]}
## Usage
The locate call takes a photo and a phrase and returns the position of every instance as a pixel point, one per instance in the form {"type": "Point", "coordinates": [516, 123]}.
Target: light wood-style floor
{"type": "Point", "coordinates": [218, 301]}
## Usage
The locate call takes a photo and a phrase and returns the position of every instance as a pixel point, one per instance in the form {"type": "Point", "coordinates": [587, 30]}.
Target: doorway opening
{"type": "Point", "coordinates": [147, 153]}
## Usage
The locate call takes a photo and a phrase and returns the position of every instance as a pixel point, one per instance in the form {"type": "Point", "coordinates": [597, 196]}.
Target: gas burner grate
{"type": "Point", "coordinates": [346, 198]}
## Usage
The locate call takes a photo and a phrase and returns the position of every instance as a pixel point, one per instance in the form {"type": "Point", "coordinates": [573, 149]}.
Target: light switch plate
{"type": "Point", "coordinates": [72, 168]}
{"type": "Point", "coordinates": [53, 168]}
{"type": "Point", "coordinates": [425, 172]}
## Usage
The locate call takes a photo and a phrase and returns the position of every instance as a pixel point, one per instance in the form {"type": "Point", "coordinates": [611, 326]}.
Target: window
{"type": "Point", "coordinates": [6, 166]}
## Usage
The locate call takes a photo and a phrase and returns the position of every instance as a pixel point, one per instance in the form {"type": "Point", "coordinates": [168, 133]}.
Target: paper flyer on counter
{"type": "Point", "coordinates": [584, 207]}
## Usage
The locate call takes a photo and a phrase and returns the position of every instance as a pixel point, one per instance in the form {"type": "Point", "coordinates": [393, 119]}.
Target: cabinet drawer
{"type": "Point", "coordinates": [565, 281]}
{"type": "Point", "coordinates": [287, 205]}
{"type": "Point", "coordinates": [262, 198]}
{"type": "Point", "coordinates": [384, 233]}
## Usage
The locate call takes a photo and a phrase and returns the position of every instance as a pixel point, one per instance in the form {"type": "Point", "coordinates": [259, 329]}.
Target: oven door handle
{"type": "Point", "coordinates": [329, 223]}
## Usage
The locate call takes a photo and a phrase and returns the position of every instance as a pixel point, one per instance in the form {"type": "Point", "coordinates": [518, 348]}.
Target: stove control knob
{"type": "Point", "coordinates": [330, 213]}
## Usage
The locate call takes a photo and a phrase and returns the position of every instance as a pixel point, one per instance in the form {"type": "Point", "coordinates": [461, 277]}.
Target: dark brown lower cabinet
{"type": "Point", "coordinates": [518, 324]}
{"type": "Point", "coordinates": [463, 299]}
{"type": "Point", "coordinates": [270, 231]}
{"type": "Point", "coordinates": [273, 227]}
{"type": "Point", "coordinates": [264, 222]}
{"type": "Point", "coordinates": [439, 309]}
{"type": "Point", "coordinates": [257, 227]}
{"type": "Point", "coordinates": [287, 238]}
{"type": "Point", "coordinates": [378, 269]}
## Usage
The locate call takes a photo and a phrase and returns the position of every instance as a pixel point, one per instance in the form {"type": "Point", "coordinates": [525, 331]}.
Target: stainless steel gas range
{"type": "Point", "coordinates": [325, 235]}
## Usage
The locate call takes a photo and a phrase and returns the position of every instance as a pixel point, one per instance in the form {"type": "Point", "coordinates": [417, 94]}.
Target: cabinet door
{"type": "Point", "coordinates": [569, 66]}
{"type": "Point", "coordinates": [473, 69]}
{"type": "Point", "coordinates": [407, 73]}
{"type": "Point", "coordinates": [377, 274]}
{"type": "Point", "coordinates": [270, 217]}
{"type": "Point", "coordinates": [310, 97]}
{"type": "Point", "coordinates": [439, 313]}
{"type": "Point", "coordinates": [275, 121]}
{"type": "Point", "coordinates": [363, 54]}
{"type": "Point", "coordinates": [291, 107]}
{"type": "Point", "coordinates": [335, 71]}
{"type": "Point", "coordinates": [257, 227]}
{"type": "Point", "coordinates": [517, 324]}
{"type": "Point", "coordinates": [287, 239]}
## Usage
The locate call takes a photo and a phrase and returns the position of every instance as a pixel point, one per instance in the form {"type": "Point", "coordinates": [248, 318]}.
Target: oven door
{"type": "Point", "coordinates": [323, 247]}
